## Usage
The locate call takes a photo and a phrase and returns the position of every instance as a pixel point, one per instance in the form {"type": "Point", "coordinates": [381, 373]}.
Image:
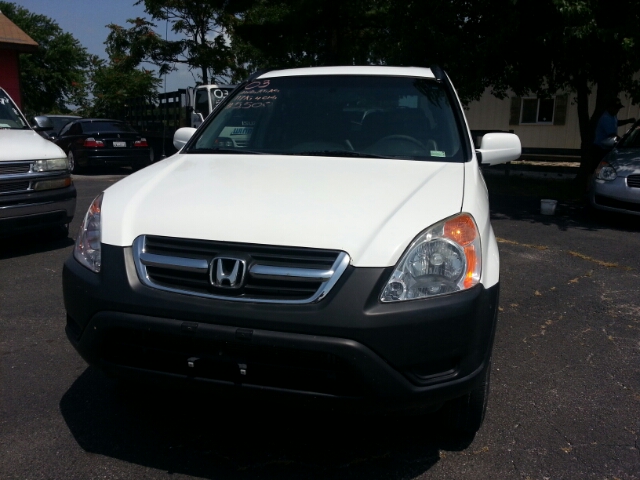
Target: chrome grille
{"type": "Point", "coordinates": [13, 187]}
{"type": "Point", "coordinates": [15, 168]}
{"type": "Point", "coordinates": [273, 274]}
{"type": "Point", "coordinates": [633, 181]}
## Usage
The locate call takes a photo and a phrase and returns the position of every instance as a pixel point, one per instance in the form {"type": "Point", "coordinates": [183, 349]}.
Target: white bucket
{"type": "Point", "coordinates": [548, 207]}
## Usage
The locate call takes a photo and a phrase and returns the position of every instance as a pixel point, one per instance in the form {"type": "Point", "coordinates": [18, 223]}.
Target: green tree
{"type": "Point", "coordinates": [205, 26]}
{"type": "Point", "coordinates": [298, 33]}
{"type": "Point", "coordinates": [462, 36]}
{"type": "Point", "coordinates": [54, 77]}
{"type": "Point", "coordinates": [580, 46]}
{"type": "Point", "coordinates": [121, 79]}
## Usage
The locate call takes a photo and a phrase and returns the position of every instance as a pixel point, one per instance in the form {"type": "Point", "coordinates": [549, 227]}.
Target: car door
{"type": "Point", "coordinates": [69, 134]}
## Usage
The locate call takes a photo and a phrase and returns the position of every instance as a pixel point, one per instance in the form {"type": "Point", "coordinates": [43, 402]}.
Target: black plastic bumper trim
{"type": "Point", "coordinates": [426, 350]}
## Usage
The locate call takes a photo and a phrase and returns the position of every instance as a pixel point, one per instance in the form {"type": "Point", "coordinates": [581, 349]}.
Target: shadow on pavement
{"type": "Point", "coordinates": [33, 242]}
{"type": "Point", "coordinates": [99, 171]}
{"type": "Point", "coordinates": [203, 435]}
{"type": "Point", "coordinates": [569, 214]}
{"type": "Point", "coordinates": [572, 211]}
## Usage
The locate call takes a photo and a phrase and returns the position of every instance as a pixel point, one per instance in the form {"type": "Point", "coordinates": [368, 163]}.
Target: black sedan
{"type": "Point", "coordinates": [99, 142]}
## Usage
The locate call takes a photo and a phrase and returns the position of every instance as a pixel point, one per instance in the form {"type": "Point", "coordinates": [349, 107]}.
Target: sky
{"type": "Point", "coordinates": [86, 20]}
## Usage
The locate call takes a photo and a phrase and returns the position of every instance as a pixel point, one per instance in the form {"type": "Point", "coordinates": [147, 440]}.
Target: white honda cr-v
{"type": "Point", "coordinates": [325, 233]}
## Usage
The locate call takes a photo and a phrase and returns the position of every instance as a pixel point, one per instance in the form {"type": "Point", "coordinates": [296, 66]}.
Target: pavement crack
{"type": "Point", "coordinates": [596, 261]}
{"type": "Point", "coordinates": [526, 245]}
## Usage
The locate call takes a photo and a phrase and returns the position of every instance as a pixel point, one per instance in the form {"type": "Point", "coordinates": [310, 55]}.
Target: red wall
{"type": "Point", "coordinates": [9, 74]}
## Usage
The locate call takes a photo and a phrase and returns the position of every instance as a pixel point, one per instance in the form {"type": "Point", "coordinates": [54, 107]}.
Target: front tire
{"type": "Point", "coordinates": [73, 166]}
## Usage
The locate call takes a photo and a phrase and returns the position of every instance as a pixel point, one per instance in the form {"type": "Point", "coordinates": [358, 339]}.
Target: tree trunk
{"type": "Point", "coordinates": [205, 76]}
{"type": "Point", "coordinates": [607, 89]}
{"type": "Point", "coordinates": [587, 132]}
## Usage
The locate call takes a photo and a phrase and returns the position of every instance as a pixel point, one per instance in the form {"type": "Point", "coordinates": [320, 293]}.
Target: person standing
{"type": "Point", "coordinates": [607, 126]}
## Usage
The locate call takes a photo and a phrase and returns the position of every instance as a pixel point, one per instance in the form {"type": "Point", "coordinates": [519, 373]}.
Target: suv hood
{"type": "Point", "coordinates": [363, 206]}
{"type": "Point", "coordinates": [26, 145]}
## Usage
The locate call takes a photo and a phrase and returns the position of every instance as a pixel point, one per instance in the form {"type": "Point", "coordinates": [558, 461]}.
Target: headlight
{"type": "Point", "coordinates": [445, 258]}
{"type": "Point", "coordinates": [606, 172]}
{"type": "Point", "coordinates": [52, 184]}
{"type": "Point", "coordinates": [51, 165]}
{"type": "Point", "coordinates": [87, 249]}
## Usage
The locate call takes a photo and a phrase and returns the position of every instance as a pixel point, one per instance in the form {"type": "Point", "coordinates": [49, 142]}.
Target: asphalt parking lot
{"type": "Point", "coordinates": [565, 400]}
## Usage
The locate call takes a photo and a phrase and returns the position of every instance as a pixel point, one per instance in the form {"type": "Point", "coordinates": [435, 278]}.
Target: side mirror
{"type": "Point", "coordinates": [609, 142]}
{"type": "Point", "coordinates": [496, 148]}
{"type": "Point", "coordinates": [41, 124]}
{"type": "Point", "coordinates": [182, 136]}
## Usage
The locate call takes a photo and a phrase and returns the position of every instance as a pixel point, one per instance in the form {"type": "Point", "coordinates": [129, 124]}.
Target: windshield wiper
{"type": "Point", "coordinates": [337, 153]}
{"type": "Point", "coordinates": [225, 150]}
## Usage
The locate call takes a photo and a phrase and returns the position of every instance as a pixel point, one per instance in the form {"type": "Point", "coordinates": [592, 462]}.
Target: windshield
{"type": "Point", "coordinates": [219, 94]}
{"type": "Point", "coordinates": [632, 138]}
{"type": "Point", "coordinates": [59, 122]}
{"type": "Point", "coordinates": [341, 115]}
{"type": "Point", "coordinates": [216, 96]}
{"type": "Point", "coordinates": [106, 127]}
{"type": "Point", "coordinates": [10, 117]}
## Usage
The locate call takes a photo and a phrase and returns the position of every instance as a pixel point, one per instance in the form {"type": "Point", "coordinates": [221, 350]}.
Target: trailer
{"type": "Point", "coordinates": [186, 107]}
{"type": "Point", "coordinates": [157, 122]}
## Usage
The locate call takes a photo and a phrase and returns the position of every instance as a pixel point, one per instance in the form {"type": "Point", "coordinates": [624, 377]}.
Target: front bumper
{"type": "Point", "coordinates": [615, 196]}
{"type": "Point", "coordinates": [348, 346]}
{"type": "Point", "coordinates": [37, 210]}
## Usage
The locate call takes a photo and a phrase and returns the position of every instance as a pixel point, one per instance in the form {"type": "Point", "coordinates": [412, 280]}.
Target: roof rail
{"type": "Point", "coordinates": [257, 73]}
{"type": "Point", "coordinates": [438, 72]}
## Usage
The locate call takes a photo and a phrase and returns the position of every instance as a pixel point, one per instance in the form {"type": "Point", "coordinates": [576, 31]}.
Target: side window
{"type": "Point", "coordinates": [65, 129]}
{"type": "Point", "coordinates": [202, 102]}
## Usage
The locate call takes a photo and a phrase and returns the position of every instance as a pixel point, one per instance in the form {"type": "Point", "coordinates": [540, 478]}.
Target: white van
{"type": "Point", "coordinates": [36, 189]}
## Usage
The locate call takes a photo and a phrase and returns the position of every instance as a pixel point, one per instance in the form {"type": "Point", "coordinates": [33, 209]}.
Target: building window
{"type": "Point", "coordinates": [538, 111]}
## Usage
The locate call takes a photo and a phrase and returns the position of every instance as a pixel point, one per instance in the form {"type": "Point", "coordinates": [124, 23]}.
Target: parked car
{"type": "Point", "coordinates": [320, 256]}
{"type": "Point", "coordinates": [615, 186]}
{"type": "Point", "coordinates": [58, 121]}
{"type": "Point", "coordinates": [36, 189]}
{"type": "Point", "coordinates": [91, 142]}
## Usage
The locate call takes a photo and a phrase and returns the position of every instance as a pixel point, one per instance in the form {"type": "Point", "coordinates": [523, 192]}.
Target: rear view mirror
{"type": "Point", "coordinates": [496, 148]}
{"type": "Point", "coordinates": [41, 124]}
{"type": "Point", "coordinates": [182, 136]}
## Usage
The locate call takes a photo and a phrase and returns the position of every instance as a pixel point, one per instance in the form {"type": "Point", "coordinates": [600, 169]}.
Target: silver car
{"type": "Point", "coordinates": [615, 185]}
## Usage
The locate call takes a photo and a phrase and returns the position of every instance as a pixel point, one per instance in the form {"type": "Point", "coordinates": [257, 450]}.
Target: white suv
{"type": "Point", "coordinates": [36, 189]}
{"type": "Point", "coordinates": [341, 250]}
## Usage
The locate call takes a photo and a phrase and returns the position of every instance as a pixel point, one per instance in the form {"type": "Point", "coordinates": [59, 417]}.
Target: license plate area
{"type": "Point", "coordinates": [119, 144]}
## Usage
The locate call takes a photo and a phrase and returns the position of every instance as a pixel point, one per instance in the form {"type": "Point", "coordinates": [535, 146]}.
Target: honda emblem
{"type": "Point", "coordinates": [227, 272]}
